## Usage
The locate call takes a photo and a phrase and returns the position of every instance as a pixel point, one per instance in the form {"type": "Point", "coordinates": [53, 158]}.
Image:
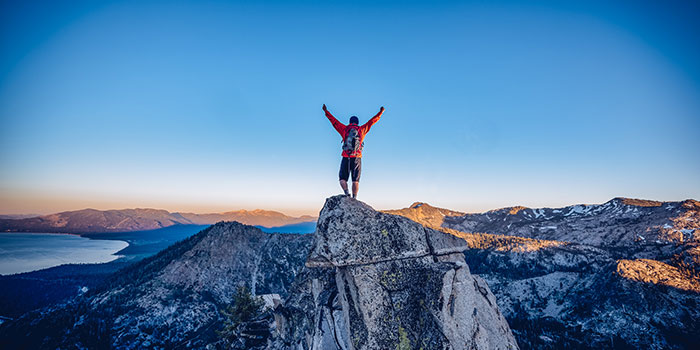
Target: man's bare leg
{"type": "Point", "coordinates": [344, 186]}
{"type": "Point", "coordinates": [355, 188]}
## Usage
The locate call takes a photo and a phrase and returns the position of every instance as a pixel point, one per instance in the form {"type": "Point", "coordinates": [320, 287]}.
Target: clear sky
{"type": "Point", "coordinates": [216, 105]}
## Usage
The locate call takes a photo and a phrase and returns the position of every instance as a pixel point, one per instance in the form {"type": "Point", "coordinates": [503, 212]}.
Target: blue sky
{"type": "Point", "coordinates": [210, 106]}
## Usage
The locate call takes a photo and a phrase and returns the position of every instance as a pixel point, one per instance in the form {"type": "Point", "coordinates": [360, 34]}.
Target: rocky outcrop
{"type": "Point", "coordinates": [380, 281]}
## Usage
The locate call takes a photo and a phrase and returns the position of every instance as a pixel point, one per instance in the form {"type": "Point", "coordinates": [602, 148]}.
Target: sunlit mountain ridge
{"type": "Point", "coordinates": [140, 219]}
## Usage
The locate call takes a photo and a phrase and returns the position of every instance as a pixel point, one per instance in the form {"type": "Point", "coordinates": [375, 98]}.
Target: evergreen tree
{"type": "Point", "coordinates": [244, 308]}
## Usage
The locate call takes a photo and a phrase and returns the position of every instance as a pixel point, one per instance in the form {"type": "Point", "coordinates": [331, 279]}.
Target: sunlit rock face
{"type": "Point", "coordinates": [656, 272]}
{"type": "Point", "coordinates": [380, 281]}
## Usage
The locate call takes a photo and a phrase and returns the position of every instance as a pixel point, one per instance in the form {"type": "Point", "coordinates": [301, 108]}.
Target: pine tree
{"type": "Point", "coordinates": [244, 308]}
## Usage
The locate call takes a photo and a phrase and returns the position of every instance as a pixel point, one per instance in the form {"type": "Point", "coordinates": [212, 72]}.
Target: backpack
{"type": "Point", "coordinates": [352, 143]}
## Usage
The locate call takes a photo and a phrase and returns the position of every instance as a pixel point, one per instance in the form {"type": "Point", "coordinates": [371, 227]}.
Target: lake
{"type": "Point", "coordinates": [24, 252]}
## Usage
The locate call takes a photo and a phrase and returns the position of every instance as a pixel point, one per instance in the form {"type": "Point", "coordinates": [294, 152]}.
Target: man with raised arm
{"type": "Point", "coordinates": [353, 136]}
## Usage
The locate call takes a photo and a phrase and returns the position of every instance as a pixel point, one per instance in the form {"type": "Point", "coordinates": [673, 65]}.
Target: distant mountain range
{"type": "Point", "coordinates": [123, 220]}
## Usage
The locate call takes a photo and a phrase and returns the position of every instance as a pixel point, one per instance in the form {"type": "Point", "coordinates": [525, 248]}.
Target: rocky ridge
{"type": "Point", "coordinates": [639, 225]}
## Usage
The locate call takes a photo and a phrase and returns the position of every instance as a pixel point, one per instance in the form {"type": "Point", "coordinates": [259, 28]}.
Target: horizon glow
{"type": "Point", "coordinates": [216, 106]}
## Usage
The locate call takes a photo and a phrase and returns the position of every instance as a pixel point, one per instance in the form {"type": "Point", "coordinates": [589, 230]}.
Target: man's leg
{"type": "Point", "coordinates": [344, 174]}
{"type": "Point", "coordinates": [356, 172]}
{"type": "Point", "coordinates": [344, 186]}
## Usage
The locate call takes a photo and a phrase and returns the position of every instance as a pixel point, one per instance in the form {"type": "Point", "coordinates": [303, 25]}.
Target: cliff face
{"type": "Point", "coordinates": [380, 281]}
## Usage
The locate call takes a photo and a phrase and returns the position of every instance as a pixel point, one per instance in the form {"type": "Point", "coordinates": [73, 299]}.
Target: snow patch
{"type": "Point", "coordinates": [631, 209]}
{"type": "Point", "coordinates": [576, 209]}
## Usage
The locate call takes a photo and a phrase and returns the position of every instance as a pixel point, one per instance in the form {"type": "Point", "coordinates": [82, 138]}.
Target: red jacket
{"type": "Point", "coordinates": [343, 129]}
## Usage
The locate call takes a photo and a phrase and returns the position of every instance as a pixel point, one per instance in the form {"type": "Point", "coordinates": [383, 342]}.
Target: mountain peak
{"type": "Point", "coordinates": [417, 205]}
{"type": "Point", "coordinates": [353, 233]}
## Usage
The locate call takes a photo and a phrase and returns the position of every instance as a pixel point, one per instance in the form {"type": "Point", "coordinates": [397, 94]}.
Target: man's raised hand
{"type": "Point", "coordinates": [324, 108]}
{"type": "Point", "coordinates": [381, 109]}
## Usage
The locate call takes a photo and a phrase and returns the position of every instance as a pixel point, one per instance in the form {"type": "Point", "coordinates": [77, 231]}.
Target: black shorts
{"type": "Point", "coordinates": [350, 165]}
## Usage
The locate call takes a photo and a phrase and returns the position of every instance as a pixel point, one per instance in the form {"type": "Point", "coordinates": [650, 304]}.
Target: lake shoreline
{"type": "Point", "coordinates": [23, 252]}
